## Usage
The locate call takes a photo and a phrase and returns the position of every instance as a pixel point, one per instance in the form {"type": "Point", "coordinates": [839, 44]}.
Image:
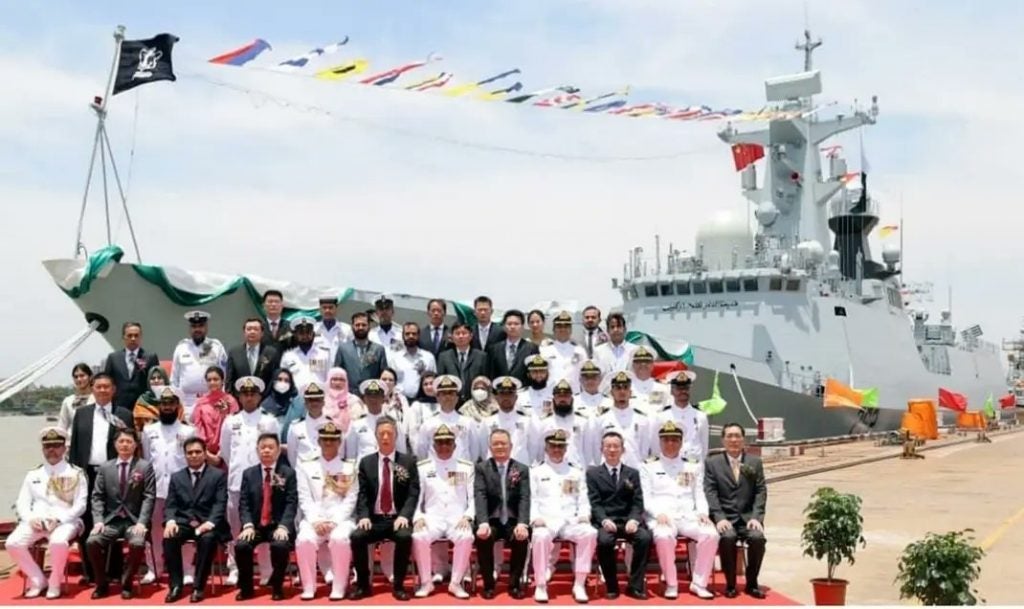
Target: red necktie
{"type": "Point", "coordinates": [386, 502]}
{"type": "Point", "coordinates": [265, 511]}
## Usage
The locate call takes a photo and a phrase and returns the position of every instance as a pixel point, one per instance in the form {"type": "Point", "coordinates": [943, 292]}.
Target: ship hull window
{"type": "Point", "coordinates": [750, 285]}
{"type": "Point", "coordinates": [666, 289]}
{"type": "Point", "coordinates": [792, 285]}
{"type": "Point", "coordinates": [775, 284]}
{"type": "Point", "coordinates": [732, 285]}
{"type": "Point", "coordinates": [715, 286]}
{"type": "Point", "coordinates": [840, 311]}
{"type": "Point", "coordinates": [699, 287]}
{"type": "Point", "coordinates": [683, 288]}
{"type": "Point", "coordinates": [650, 291]}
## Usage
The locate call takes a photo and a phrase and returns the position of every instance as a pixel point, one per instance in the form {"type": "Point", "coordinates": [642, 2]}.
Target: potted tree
{"type": "Point", "coordinates": [832, 530]}
{"type": "Point", "coordinates": [940, 569]}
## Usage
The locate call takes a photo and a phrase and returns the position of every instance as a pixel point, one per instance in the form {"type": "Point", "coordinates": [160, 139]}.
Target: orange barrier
{"type": "Point", "coordinates": [913, 423]}
{"type": "Point", "coordinates": [972, 420]}
{"type": "Point", "coordinates": [925, 410]}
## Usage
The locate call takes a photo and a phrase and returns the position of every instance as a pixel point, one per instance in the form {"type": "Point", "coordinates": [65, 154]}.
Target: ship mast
{"type": "Point", "coordinates": [808, 47]}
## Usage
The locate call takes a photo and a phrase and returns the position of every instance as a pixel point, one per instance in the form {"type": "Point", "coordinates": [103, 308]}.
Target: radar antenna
{"type": "Point", "coordinates": [808, 46]}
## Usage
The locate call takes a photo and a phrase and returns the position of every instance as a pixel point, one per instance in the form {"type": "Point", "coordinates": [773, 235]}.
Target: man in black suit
{"type": "Point", "coordinates": [462, 362]}
{"type": "Point", "coordinates": [362, 359]}
{"type": "Point", "coordinates": [737, 497]}
{"type": "Point", "coordinates": [252, 357]}
{"type": "Point", "coordinates": [485, 333]}
{"type": "Point", "coordinates": [508, 356]}
{"type": "Point", "coordinates": [276, 330]}
{"type": "Point", "coordinates": [268, 502]}
{"type": "Point", "coordinates": [197, 499]}
{"type": "Point", "coordinates": [129, 367]}
{"type": "Point", "coordinates": [122, 505]}
{"type": "Point", "coordinates": [389, 489]}
{"type": "Point", "coordinates": [617, 511]}
{"type": "Point", "coordinates": [92, 440]}
{"type": "Point", "coordinates": [501, 490]}
{"type": "Point", "coordinates": [435, 335]}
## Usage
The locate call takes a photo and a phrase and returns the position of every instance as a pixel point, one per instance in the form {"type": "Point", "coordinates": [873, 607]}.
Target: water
{"type": "Point", "coordinates": [19, 451]}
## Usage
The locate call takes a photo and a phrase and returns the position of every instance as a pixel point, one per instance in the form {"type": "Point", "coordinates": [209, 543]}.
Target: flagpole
{"type": "Point", "coordinates": [99, 106]}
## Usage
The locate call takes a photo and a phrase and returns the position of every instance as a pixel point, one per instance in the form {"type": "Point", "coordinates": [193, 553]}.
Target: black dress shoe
{"type": "Point", "coordinates": [517, 593]}
{"type": "Point", "coordinates": [731, 593]}
{"type": "Point", "coordinates": [756, 592]}
{"type": "Point", "coordinates": [400, 594]}
{"type": "Point", "coordinates": [358, 593]}
{"type": "Point", "coordinates": [610, 595]}
{"type": "Point", "coordinates": [197, 596]}
{"type": "Point", "coordinates": [126, 594]}
{"type": "Point", "coordinates": [244, 596]}
{"type": "Point", "coordinates": [100, 592]}
{"type": "Point", "coordinates": [277, 595]}
{"type": "Point", "coordinates": [174, 594]}
{"type": "Point", "coordinates": [638, 595]}
{"type": "Point", "coordinates": [487, 594]}
{"type": "Point", "coordinates": [85, 581]}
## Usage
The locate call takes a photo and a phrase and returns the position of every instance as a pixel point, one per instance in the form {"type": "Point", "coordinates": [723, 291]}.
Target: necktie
{"type": "Point", "coordinates": [590, 343]}
{"type": "Point", "coordinates": [437, 338]}
{"type": "Point", "coordinates": [483, 337]}
{"type": "Point", "coordinates": [104, 413]}
{"type": "Point", "coordinates": [273, 329]}
{"type": "Point", "coordinates": [510, 357]}
{"type": "Point", "coordinates": [503, 470]}
{"type": "Point", "coordinates": [252, 360]}
{"type": "Point", "coordinates": [615, 476]}
{"type": "Point", "coordinates": [462, 361]}
{"type": "Point", "coordinates": [131, 364]}
{"type": "Point", "coordinates": [195, 479]}
{"type": "Point", "coordinates": [361, 350]}
{"type": "Point", "coordinates": [735, 469]}
{"type": "Point", "coordinates": [386, 502]}
{"type": "Point", "coordinates": [124, 478]}
{"type": "Point", "coordinates": [265, 509]}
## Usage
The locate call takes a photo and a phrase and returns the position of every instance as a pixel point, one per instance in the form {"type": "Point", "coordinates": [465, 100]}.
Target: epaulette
{"type": "Point", "coordinates": [580, 413]}
{"type": "Point", "coordinates": [466, 462]}
{"type": "Point", "coordinates": [601, 409]}
{"type": "Point", "coordinates": [310, 458]}
{"type": "Point", "coordinates": [651, 459]}
{"type": "Point", "coordinates": [669, 407]}
{"type": "Point", "coordinates": [362, 416]}
{"type": "Point", "coordinates": [423, 462]}
{"type": "Point", "coordinates": [522, 413]}
{"type": "Point", "coordinates": [301, 418]}
{"type": "Point", "coordinates": [550, 414]}
{"type": "Point", "coordinates": [638, 411]}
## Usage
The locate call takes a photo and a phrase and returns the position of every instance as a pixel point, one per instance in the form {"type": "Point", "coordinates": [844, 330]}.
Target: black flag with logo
{"type": "Point", "coordinates": [144, 61]}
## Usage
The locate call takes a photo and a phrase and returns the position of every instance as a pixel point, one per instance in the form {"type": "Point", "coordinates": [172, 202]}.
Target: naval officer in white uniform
{"type": "Point", "coordinates": [564, 356]}
{"type": "Point", "coordinates": [445, 511]}
{"type": "Point", "coordinates": [193, 356]}
{"type": "Point", "coordinates": [308, 360]}
{"type": "Point", "coordinates": [694, 423]}
{"type": "Point", "coordinates": [49, 506]}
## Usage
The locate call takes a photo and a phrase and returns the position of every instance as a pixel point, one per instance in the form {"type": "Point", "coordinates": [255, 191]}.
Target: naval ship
{"type": "Point", "coordinates": [779, 310]}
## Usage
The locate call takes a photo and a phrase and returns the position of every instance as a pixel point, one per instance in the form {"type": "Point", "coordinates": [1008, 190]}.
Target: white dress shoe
{"type": "Point", "coordinates": [540, 594]}
{"type": "Point", "coordinates": [307, 596]}
{"type": "Point", "coordinates": [425, 590]}
{"type": "Point", "coordinates": [53, 593]}
{"type": "Point", "coordinates": [438, 578]}
{"type": "Point", "coordinates": [35, 591]}
{"type": "Point", "coordinates": [232, 579]}
{"type": "Point", "coordinates": [457, 591]}
{"type": "Point", "coordinates": [579, 594]}
{"type": "Point", "coordinates": [672, 592]}
{"type": "Point", "coordinates": [337, 595]}
{"type": "Point", "coordinates": [328, 577]}
{"type": "Point", "coordinates": [702, 593]}
{"type": "Point", "coordinates": [148, 578]}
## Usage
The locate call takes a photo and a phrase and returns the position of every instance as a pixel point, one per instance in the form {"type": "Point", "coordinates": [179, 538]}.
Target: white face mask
{"type": "Point", "coordinates": [282, 386]}
{"type": "Point", "coordinates": [156, 387]}
{"type": "Point", "coordinates": [480, 395]}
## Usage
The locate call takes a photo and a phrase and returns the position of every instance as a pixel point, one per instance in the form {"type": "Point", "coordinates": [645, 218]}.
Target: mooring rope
{"type": "Point", "coordinates": [28, 375]}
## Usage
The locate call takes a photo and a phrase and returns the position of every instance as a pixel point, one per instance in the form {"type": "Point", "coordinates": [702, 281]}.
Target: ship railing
{"type": "Point", "coordinates": [845, 206]}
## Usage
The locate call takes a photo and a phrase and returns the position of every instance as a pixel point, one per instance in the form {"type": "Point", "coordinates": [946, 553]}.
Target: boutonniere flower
{"type": "Point", "coordinates": [401, 474]}
{"type": "Point", "coordinates": [276, 481]}
{"type": "Point", "coordinates": [628, 484]}
{"type": "Point", "coordinates": [137, 478]}
{"type": "Point", "coordinates": [140, 363]}
{"type": "Point", "coordinates": [264, 360]}
{"type": "Point", "coordinates": [513, 477]}
{"type": "Point", "coordinates": [747, 472]}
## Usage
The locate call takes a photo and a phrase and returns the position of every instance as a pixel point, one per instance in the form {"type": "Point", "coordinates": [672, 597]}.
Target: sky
{"type": "Point", "coordinates": [387, 190]}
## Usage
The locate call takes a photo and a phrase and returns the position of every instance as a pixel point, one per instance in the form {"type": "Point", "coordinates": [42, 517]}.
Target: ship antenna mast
{"type": "Point", "coordinates": [808, 46]}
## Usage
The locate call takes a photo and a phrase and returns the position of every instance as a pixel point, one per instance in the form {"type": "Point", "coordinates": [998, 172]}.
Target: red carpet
{"type": "Point", "coordinates": [560, 591]}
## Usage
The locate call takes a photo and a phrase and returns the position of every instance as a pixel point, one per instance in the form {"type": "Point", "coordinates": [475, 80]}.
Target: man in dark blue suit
{"type": "Point", "coordinates": [197, 499]}
{"type": "Point", "coordinates": [361, 358]}
{"type": "Point", "coordinates": [267, 505]}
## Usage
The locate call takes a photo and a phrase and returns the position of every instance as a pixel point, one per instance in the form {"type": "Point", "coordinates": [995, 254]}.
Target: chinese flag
{"type": "Point", "coordinates": [952, 400]}
{"type": "Point", "coordinates": [745, 154]}
{"type": "Point", "coordinates": [1007, 401]}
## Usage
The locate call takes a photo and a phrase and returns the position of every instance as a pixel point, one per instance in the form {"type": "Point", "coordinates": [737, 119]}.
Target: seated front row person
{"type": "Point", "coordinates": [197, 498]}
{"type": "Point", "coordinates": [674, 500]}
{"type": "Point", "coordinates": [737, 497]}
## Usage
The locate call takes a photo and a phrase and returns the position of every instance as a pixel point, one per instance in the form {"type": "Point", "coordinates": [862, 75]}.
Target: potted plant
{"type": "Point", "coordinates": [832, 530]}
{"type": "Point", "coordinates": [940, 569]}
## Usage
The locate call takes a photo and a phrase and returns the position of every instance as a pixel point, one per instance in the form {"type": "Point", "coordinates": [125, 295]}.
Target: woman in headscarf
{"type": "Point", "coordinates": [284, 402]}
{"type": "Point", "coordinates": [147, 407]}
{"type": "Point", "coordinates": [340, 405]}
{"type": "Point", "coordinates": [81, 376]}
{"type": "Point", "coordinates": [482, 404]}
{"type": "Point", "coordinates": [422, 408]}
{"type": "Point", "coordinates": [397, 406]}
{"type": "Point", "coordinates": [211, 410]}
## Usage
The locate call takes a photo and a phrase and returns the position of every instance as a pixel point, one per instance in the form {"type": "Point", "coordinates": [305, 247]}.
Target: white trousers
{"type": "Point", "coordinates": [581, 534]}
{"type": "Point", "coordinates": [436, 530]}
{"type": "Point", "coordinates": [308, 543]}
{"type": "Point", "coordinates": [24, 537]}
{"type": "Point", "coordinates": [705, 539]}
{"type": "Point", "coordinates": [235, 522]}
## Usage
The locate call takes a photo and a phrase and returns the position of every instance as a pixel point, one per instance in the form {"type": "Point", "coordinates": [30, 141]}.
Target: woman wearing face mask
{"type": "Point", "coordinates": [283, 403]}
{"type": "Point", "coordinates": [482, 404]}
{"type": "Point", "coordinates": [210, 412]}
{"type": "Point", "coordinates": [340, 405]}
{"type": "Point", "coordinates": [81, 376]}
{"type": "Point", "coordinates": [423, 406]}
{"type": "Point", "coordinates": [147, 407]}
